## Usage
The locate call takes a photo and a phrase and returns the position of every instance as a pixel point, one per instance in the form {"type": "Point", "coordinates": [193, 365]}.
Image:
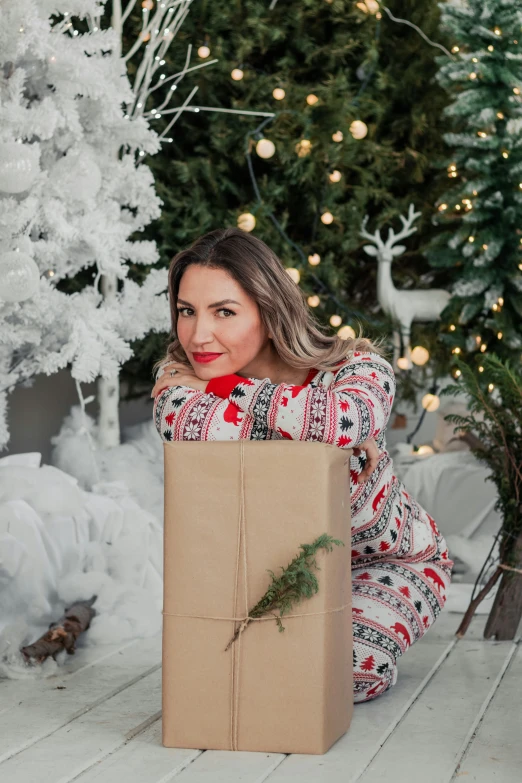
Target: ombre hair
{"type": "Point", "coordinates": [296, 334]}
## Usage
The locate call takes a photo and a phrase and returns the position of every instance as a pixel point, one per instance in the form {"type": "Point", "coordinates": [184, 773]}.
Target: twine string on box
{"type": "Point", "coordinates": [245, 619]}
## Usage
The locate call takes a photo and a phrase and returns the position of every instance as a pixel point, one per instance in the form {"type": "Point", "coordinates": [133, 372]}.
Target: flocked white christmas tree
{"type": "Point", "coordinates": [72, 195]}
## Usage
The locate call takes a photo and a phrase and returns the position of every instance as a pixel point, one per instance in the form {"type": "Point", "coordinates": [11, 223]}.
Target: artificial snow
{"type": "Point", "coordinates": [60, 542]}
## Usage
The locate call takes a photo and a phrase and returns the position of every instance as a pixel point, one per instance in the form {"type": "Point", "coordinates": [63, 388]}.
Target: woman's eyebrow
{"type": "Point", "coordinates": [214, 304]}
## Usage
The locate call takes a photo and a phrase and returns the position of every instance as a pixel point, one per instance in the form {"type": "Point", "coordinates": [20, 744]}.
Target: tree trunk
{"type": "Point", "coordinates": [109, 388]}
{"type": "Point", "coordinates": [506, 611]}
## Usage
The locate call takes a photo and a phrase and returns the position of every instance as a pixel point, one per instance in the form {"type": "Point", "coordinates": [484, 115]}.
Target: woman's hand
{"type": "Point", "coordinates": [372, 458]}
{"type": "Point", "coordinates": [185, 376]}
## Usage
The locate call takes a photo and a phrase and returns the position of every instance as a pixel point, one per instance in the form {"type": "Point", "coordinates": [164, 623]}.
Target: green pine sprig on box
{"type": "Point", "coordinates": [296, 582]}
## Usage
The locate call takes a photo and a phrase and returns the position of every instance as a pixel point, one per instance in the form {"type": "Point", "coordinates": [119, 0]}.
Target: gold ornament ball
{"type": "Point", "coordinates": [265, 148]}
{"type": "Point", "coordinates": [294, 274]}
{"type": "Point", "coordinates": [311, 99]}
{"type": "Point", "coordinates": [346, 332]}
{"type": "Point", "coordinates": [246, 221]}
{"type": "Point", "coordinates": [314, 259]}
{"type": "Point", "coordinates": [430, 402]}
{"type": "Point", "coordinates": [203, 51]}
{"type": "Point", "coordinates": [403, 363]}
{"type": "Point", "coordinates": [237, 74]}
{"type": "Point", "coordinates": [279, 93]}
{"type": "Point", "coordinates": [358, 129]}
{"type": "Point", "coordinates": [327, 218]}
{"type": "Point", "coordinates": [303, 147]}
{"type": "Point", "coordinates": [337, 136]}
{"type": "Point", "coordinates": [314, 300]}
{"type": "Point", "coordinates": [336, 320]}
{"type": "Point", "coordinates": [335, 176]}
{"type": "Point", "coordinates": [420, 355]}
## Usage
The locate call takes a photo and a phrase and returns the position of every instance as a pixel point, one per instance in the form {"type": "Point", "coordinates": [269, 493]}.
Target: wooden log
{"type": "Point", "coordinates": [62, 635]}
{"type": "Point", "coordinates": [506, 611]}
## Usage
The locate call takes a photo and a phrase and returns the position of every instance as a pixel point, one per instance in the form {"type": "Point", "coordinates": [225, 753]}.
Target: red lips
{"type": "Point", "coordinates": [205, 357]}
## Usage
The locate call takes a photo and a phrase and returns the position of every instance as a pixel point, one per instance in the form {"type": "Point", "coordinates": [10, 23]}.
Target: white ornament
{"type": "Point", "coordinates": [19, 166]}
{"type": "Point", "coordinates": [77, 176]}
{"type": "Point", "coordinates": [403, 307]}
{"type": "Point", "coordinates": [19, 277]}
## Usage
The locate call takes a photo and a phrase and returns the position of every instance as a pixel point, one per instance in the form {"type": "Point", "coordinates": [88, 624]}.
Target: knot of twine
{"type": "Point", "coordinates": [245, 619]}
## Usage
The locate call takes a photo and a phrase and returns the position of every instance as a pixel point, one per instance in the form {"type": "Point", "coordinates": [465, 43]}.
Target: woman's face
{"type": "Point", "coordinates": [215, 315]}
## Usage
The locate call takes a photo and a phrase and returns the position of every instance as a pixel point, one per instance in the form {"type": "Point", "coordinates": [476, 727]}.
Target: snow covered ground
{"type": "Point", "coordinates": [65, 537]}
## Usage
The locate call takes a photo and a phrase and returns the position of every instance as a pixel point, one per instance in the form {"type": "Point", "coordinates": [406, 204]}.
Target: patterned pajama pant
{"type": "Point", "coordinates": [395, 601]}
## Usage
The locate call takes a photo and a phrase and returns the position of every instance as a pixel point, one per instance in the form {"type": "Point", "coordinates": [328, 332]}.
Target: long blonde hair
{"type": "Point", "coordinates": [296, 334]}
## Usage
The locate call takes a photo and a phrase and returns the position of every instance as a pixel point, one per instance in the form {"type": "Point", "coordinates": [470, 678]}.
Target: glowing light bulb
{"type": "Point", "coordinates": [358, 129]}
{"type": "Point", "coordinates": [452, 327]}
{"type": "Point", "coordinates": [246, 221]}
{"type": "Point", "coordinates": [311, 99]}
{"type": "Point", "coordinates": [313, 301]}
{"type": "Point", "coordinates": [455, 49]}
{"type": "Point", "coordinates": [420, 355]}
{"type": "Point", "coordinates": [516, 90]}
{"type": "Point", "coordinates": [491, 386]}
{"type": "Point", "coordinates": [303, 147]}
{"type": "Point", "coordinates": [491, 48]}
{"type": "Point", "coordinates": [471, 239]}
{"type": "Point", "coordinates": [335, 176]}
{"type": "Point", "coordinates": [442, 207]}
{"type": "Point", "coordinates": [457, 373]}
{"type": "Point", "coordinates": [278, 94]}
{"type": "Point", "coordinates": [337, 136]}
{"type": "Point", "coordinates": [237, 74]}
{"type": "Point", "coordinates": [456, 350]}
{"type": "Point", "coordinates": [430, 402]}
{"type": "Point", "coordinates": [265, 148]}
{"type": "Point", "coordinates": [336, 320]}
{"type": "Point", "coordinates": [499, 335]}
{"type": "Point", "coordinates": [483, 348]}
{"type": "Point", "coordinates": [314, 259]}
{"type": "Point", "coordinates": [500, 115]}
{"type": "Point", "coordinates": [424, 451]}
{"type": "Point", "coordinates": [481, 369]}
{"type": "Point", "coordinates": [203, 51]}
{"type": "Point", "coordinates": [346, 332]}
{"type": "Point", "coordinates": [327, 218]}
{"type": "Point", "coordinates": [497, 31]}
{"type": "Point", "coordinates": [403, 363]}
{"type": "Point", "coordinates": [294, 274]}
{"type": "Point", "coordinates": [472, 75]}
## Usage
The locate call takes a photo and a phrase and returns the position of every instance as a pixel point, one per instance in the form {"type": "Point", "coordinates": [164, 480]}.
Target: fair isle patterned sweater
{"type": "Point", "coordinates": [344, 409]}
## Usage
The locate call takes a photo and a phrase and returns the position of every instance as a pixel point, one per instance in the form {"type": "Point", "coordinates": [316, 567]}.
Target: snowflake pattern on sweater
{"type": "Point", "coordinates": [400, 563]}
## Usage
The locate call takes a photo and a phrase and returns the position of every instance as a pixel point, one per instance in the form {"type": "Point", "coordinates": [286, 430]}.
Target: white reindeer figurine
{"type": "Point", "coordinates": [403, 307]}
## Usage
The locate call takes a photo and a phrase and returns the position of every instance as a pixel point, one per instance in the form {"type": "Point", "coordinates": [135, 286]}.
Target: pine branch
{"type": "Point", "coordinates": [296, 582]}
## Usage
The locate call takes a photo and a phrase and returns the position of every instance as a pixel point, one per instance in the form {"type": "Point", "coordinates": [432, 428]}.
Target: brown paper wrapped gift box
{"type": "Point", "coordinates": [271, 691]}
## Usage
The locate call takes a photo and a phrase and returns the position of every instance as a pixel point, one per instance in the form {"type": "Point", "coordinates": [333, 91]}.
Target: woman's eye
{"type": "Point", "coordinates": [221, 310]}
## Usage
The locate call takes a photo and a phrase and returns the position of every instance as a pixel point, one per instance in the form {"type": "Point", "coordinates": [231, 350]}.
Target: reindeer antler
{"type": "Point", "coordinates": [393, 238]}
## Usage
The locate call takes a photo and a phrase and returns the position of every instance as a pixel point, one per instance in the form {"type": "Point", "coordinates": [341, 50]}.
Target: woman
{"type": "Point", "coordinates": [247, 360]}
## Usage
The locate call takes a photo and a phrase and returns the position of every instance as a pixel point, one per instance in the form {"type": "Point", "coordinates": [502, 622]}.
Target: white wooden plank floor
{"type": "Point", "coordinates": [456, 712]}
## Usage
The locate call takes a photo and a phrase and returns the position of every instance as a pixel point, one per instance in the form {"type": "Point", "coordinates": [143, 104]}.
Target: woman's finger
{"type": "Point", "coordinates": [372, 458]}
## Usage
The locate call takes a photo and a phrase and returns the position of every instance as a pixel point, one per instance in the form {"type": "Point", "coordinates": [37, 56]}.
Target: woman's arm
{"type": "Point", "coordinates": [355, 407]}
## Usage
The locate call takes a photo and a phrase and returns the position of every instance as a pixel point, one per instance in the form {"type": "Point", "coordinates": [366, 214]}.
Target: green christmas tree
{"type": "Point", "coordinates": [481, 211]}
{"type": "Point", "coordinates": [356, 128]}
